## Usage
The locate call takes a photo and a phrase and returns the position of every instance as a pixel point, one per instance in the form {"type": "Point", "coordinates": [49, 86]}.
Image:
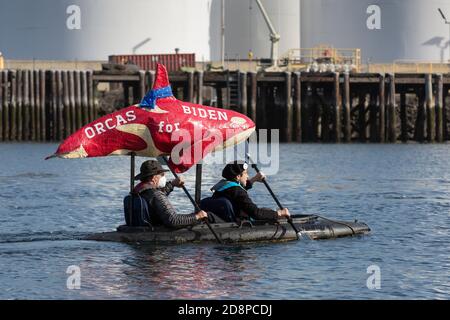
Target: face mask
{"type": "Point", "coordinates": [162, 182]}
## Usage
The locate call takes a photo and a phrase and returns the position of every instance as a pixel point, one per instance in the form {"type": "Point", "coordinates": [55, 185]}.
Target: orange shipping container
{"type": "Point", "coordinates": [173, 62]}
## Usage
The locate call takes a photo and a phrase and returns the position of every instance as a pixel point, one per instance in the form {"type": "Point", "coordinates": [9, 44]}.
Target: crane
{"type": "Point", "coordinates": [274, 37]}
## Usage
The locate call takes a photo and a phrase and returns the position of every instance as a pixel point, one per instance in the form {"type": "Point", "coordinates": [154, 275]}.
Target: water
{"type": "Point", "coordinates": [401, 191]}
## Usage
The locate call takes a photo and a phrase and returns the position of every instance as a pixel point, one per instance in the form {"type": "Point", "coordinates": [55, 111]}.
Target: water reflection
{"type": "Point", "coordinates": [205, 272]}
{"type": "Point", "coordinates": [171, 272]}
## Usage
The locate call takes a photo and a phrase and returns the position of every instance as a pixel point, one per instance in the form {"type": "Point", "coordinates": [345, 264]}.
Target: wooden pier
{"type": "Point", "coordinates": [49, 105]}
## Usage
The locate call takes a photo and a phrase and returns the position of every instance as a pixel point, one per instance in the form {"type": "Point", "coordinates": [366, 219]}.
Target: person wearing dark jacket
{"type": "Point", "coordinates": [155, 190]}
{"type": "Point", "coordinates": [234, 187]}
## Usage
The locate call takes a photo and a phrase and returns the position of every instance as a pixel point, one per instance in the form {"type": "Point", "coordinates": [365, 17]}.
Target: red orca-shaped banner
{"type": "Point", "coordinates": [159, 125]}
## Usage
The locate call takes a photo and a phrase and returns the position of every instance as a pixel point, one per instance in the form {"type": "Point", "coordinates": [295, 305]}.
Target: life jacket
{"type": "Point", "coordinates": [228, 215]}
{"type": "Point", "coordinates": [226, 184]}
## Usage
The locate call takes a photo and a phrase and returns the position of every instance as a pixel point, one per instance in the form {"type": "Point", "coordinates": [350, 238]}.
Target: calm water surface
{"type": "Point", "coordinates": [401, 191]}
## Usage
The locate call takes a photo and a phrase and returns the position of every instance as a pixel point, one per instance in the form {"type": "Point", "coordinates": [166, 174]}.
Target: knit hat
{"type": "Point", "coordinates": [233, 169]}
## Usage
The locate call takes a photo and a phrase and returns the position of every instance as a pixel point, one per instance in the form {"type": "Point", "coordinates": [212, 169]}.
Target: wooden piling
{"type": "Point", "coordinates": [78, 109]}
{"type": "Point", "coordinates": [60, 106]}
{"type": "Point", "coordinates": [199, 77]}
{"type": "Point", "coordinates": [420, 120]}
{"type": "Point", "coordinates": [37, 109]}
{"type": "Point", "coordinates": [127, 93]}
{"type": "Point", "coordinates": [43, 117]}
{"type": "Point", "coordinates": [262, 112]}
{"type": "Point", "coordinates": [190, 87]}
{"type": "Point", "coordinates": [298, 107]}
{"type": "Point", "coordinates": [219, 94]}
{"type": "Point", "coordinates": [439, 108]}
{"type": "Point", "coordinates": [392, 127]}
{"type": "Point", "coordinates": [307, 115]}
{"type": "Point", "coordinates": [287, 121]}
{"type": "Point", "coordinates": [32, 107]}
{"type": "Point", "coordinates": [53, 94]}
{"type": "Point", "coordinates": [445, 116]}
{"type": "Point", "coordinates": [142, 84]}
{"type": "Point", "coordinates": [151, 79]}
{"type": "Point", "coordinates": [26, 105]}
{"type": "Point", "coordinates": [73, 115]}
{"type": "Point", "coordinates": [84, 98]}
{"type": "Point", "coordinates": [318, 123]}
{"type": "Point", "coordinates": [243, 90]}
{"type": "Point", "coordinates": [382, 107]}
{"type": "Point", "coordinates": [91, 99]}
{"type": "Point", "coordinates": [4, 103]}
{"type": "Point", "coordinates": [337, 109]}
{"type": "Point", "coordinates": [347, 109]}
{"type": "Point", "coordinates": [403, 117]}
{"type": "Point", "coordinates": [66, 102]}
{"type": "Point", "coordinates": [325, 103]}
{"type": "Point", "coordinates": [2, 97]}
{"type": "Point", "coordinates": [253, 95]}
{"type": "Point", "coordinates": [25, 102]}
{"type": "Point", "coordinates": [362, 116]}
{"type": "Point", "coordinates": [13, 107]}
{"type": "Point", "coordinates": [373, 116]}
{"type": "Point", "coordinates": [431, 119]}
{"type": "Point", "coordinates": [148, 81]}
{"type": "Point", "coordinates": [136, 91]}
{"type": "Point", "coordinates": [19, 108]}
{"type": "Point", "coordinates": [53, 121]}
{"type": "Point", "coordinates": [37, 91]}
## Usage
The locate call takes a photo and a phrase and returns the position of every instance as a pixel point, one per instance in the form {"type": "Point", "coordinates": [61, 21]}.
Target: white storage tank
{"type": "Point", "coordinates": [385, 30]}
{"type": "Point", "coordinates": [246, 29]}
{"type": "Point", "coordinates": [94, 29]}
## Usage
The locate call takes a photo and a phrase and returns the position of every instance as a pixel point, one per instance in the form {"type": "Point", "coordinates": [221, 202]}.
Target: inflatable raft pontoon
{"type": "Point", "coordinates": [310, 226]}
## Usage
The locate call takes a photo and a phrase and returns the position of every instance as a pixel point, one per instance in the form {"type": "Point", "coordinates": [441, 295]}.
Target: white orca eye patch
{"type": "Point", "coordinates": [245, 166]}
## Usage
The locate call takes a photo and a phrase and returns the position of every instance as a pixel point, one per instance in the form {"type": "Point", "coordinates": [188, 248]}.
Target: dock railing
{"type": "Point", "coordinates": [407, 66]}
{"type": "Point", "coordinates": [302, 58]}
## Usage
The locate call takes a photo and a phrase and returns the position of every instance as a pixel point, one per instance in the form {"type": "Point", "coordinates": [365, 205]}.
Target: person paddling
{"type": "Point", "coordinates": [155, 190]}
{"type": "Point", "coordinates": [234, 187]}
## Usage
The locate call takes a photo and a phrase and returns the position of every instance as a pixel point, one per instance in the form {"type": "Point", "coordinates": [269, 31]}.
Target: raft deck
{"type": "Point", "coordinates": [310, 226]}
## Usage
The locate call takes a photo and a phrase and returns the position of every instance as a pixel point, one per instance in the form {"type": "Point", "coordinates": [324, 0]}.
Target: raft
{"type": "Point", "coordinates": [310, 226]}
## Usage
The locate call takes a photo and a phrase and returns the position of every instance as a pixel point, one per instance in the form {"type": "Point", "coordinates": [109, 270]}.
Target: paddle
{"type": "Point", "coordinates": [255, 166]}
{"type": "Point", "coordinates": [197, 208]}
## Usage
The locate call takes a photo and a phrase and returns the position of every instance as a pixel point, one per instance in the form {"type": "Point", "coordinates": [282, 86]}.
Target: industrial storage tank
{"type": "Point", "coordinates": [385, 30]}
{"type": "Point", "coordinates": [95, 29]}
{"type": "Point", "coordinates": [246, 29]}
